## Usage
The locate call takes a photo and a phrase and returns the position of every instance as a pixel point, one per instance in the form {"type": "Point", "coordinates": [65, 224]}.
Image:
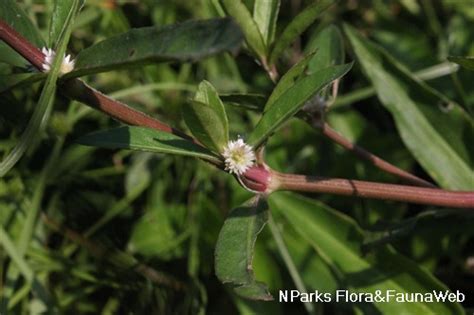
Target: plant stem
{"type": "Point", "coordinates": [364, 189]}
{"type": "Point", "coordinates": [375, 160]}
{"type": "Point", "coordinates": [353, 97]}
{"type": "Point", "coordinates": [78, 90]}
{"type": "Point", "coordinates": [21, 45]}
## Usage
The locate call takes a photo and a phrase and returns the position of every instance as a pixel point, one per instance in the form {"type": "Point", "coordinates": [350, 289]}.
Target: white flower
{"type": "Point", "coordinates": [239, 156]}
{"type": "Point", "coordinates": [66, 66]}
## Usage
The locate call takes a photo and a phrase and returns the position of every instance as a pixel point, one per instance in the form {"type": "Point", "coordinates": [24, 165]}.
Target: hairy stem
{"type": "Point", "coordinates": [364, 189]}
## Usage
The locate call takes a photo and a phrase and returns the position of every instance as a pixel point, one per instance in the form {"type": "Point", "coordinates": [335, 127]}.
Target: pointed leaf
{"type": "Point", "coordinates": [330, 46]}
{"type": "Point", "coordinates": [58, 18]}
{"type": "Point", "coordinates": [235, 246]}
{"type": "Point", "coordinates": [292, 100]}
{"type": "Point", "coordinates": [339, 239]}
{"type": "Point", "coordinates": [289, 79]}
{"type": "Point", "coordinates": [145, 139]}
{"type": "Point", "coordinates": [254, 102]}
{"type": "Point", "coordinates": [297, 26]}
{"type": "Point", "coordinates": [265, 14]}
{"type": "Point", "coordinates": [253, 37]}
{"type": "Point", "coordinates": [206, 118]}
{"type": "Point", "coordinates": [188, 41]}
{"type": "Point", "coordinates": [438, 138]}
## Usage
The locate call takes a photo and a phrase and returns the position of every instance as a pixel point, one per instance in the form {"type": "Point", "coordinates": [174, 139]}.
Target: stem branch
{"type": "Point", "coordinates": [77, 90]}
{"type": "Point", "coordinates": [373, 159]}
{"type": "Point", "coordinates": [364, 189]}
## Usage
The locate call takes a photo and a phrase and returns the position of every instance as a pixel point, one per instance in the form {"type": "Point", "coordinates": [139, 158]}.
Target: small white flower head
{"type": "Point", "coordinates": [239, 157]}
{"type": "Point", "coordinates": [67, 64]}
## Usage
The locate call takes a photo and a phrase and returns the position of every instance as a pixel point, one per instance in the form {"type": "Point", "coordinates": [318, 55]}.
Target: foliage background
{"type": "Point", "coordinates": [166, 211]}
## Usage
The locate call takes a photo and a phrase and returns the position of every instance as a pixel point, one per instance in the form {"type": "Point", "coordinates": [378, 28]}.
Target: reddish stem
{"type": "Point", "coordinates": [375, 160]}
{"type": "Point", "coordinates": [20, 44]}
{"type": "Point", "coordinates": [363, 189]}
{"type": "Point", "coordinates": [78, 90]}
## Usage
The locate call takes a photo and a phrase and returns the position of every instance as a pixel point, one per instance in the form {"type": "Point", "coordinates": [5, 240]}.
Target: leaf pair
{"type": "Point", "coordinates": [207, 120]}
{"type": "Point", "coordinates": [189, 41]}
{"type": "Point", "coordinates": [205, 116]}
{"type": "Point", "coordinates": [289, 97]}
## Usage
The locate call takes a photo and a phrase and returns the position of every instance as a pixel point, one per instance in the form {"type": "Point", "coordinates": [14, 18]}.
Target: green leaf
{"type": "Point", "coordinates": [292, 100]}
{"type": "Point", "coordinates": [330, 46]}
{"type": "Point", "coordinates": [436, 137]}
{"type": "Point", "coordinates": [206, 118]}
{"type": "Point", "coordinates": [11, 81]}
{"type": "Point", "coordinates": [235, 246]}
{"type": "Point", "coordinates": [315, 272]}
{"type": "Point", "coordinates": [297, 26]}
{"type": "Point", "coordinates": [145, 139]}
{"type": "Point", "coordinates": [289, 79]}
{"type": "Point", "coordinates": [11, 13]}
{"type": "Point", "coordinates": [265, 14]}
{"type": "Point", "coordinates": [466, 62]}
{"type": "Point", "coordinates": [58, 18]}
{"type": "Point", "coordinates": [40, 117]}
{"type": "Point", "coordinates": [9, 246]}
{"type": "Point", "coordinates": [188, 41]}
{"type": "Point", "coordinates": [338, 239]}
{"type": "Point", "coordinates": [157, 233]}
{"type": "Point", "coordinates": [253, 37]}
{"type": "Point", "coordinates": [249, 101]}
